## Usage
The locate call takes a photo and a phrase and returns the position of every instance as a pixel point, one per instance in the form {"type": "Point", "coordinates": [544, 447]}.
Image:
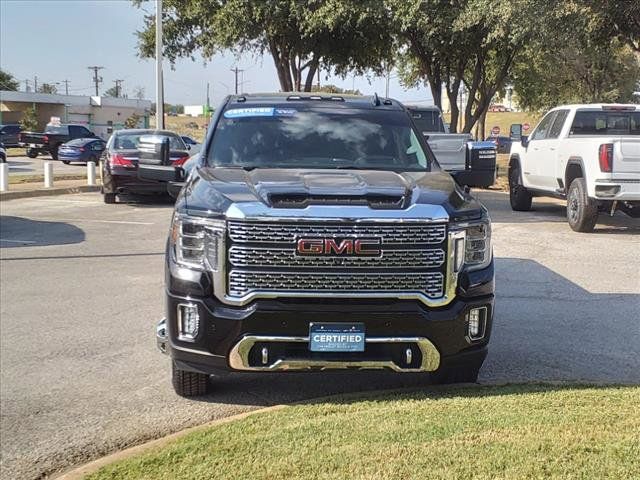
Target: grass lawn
{"type": "Point", "coordinates": [507, 432]}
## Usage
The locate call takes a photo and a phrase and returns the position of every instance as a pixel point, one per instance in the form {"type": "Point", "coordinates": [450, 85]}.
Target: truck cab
{"type": "Point", "coordinates": [318, 233]}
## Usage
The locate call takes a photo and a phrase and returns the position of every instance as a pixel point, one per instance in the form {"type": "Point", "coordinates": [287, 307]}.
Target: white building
{"type": "Point", "coordinates": [102, 115]}
{"type": "Point", "coordinates": [194, 110]}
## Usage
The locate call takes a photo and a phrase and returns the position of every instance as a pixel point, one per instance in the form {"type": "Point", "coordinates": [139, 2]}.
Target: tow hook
{"type": "Point", "coordinates": [161, 335]}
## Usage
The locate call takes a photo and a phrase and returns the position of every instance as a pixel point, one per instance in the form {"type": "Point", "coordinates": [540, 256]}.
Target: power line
{"type": "Point", "coordinates": [96, 79]}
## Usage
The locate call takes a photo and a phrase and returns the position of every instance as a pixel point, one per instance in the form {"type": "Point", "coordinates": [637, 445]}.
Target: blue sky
{"type": "Point", "coordinates": [58, 39]}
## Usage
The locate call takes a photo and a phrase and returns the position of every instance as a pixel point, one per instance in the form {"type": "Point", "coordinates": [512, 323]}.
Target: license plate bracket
{"type": "Point", "coordinates": [336, 337]}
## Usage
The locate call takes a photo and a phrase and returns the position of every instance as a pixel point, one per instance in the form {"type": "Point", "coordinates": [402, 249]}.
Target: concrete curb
{"type": "Point", "coordinates": [92, 467]}
{"type": "Point", "coordinates": [46, 192]}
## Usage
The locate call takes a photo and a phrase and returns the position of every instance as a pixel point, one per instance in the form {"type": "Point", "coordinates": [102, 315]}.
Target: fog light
{"type": "Point", "coordinates": [477, 319]}
{"type": "Point", "coordinates": [188, 322]}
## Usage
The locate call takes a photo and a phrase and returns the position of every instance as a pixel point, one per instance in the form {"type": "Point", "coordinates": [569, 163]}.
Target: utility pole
{"type": "Point", "coordinates": [118, 87]}
{"type": "Point", "coordinates": [26, 85]}
{"type": "Point", "coordinates": [35, 83]}
{"type": "Point", "coordinates": [236, 70]}
{"type": "Point", "coordinates": [96, 79]}
{"type": "Point", "coordinates": [66, 87]}
{"type": "Point", "coordinates": [159, 85]}
{"type": "Point", "coordinates": [208, 104]}
{"type": "Point", "coordinates": [386, 88]}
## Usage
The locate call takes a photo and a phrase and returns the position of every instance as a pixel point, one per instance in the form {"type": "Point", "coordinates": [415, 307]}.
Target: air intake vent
{"type": "Point", "coordinates": [304, 200]}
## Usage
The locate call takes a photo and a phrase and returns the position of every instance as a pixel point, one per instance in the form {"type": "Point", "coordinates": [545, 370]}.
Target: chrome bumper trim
{"type": "Point", "coordinates": [239, 356]}
{"type": "Point", "coordinates": [162, 336]}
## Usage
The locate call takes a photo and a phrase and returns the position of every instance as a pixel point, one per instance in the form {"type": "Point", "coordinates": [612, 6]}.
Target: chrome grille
{"type": "Point", "coordinates": [243, 256]}
{"type": "Point", "coordinates": [244, 282]}
{"type": "Point", "coordinates": [277, 232]}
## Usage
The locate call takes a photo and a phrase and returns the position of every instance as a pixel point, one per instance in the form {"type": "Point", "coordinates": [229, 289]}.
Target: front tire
{"type": "Point", "coordinates": [31, 153]}
{"type": "Point", "coordinates": [66, 162]}
{"type": "Point", "coordinates": [109, 198]}
{"type": "Point", "coordinates": [582, 211]}
{"type": "Point", "coordinates": [519, 197]}
{"type": "Point", "coordinates": [189, 384]}
{"type": "Point", "coordinates": [54, 152]}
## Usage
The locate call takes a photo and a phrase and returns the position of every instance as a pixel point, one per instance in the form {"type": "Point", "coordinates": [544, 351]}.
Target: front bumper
{"type": "Point", "coordinates": [273, 334]}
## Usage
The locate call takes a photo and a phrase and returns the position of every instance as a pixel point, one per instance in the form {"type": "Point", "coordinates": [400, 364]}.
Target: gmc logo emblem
{"type": "Point", "coordinates": [361, 247]}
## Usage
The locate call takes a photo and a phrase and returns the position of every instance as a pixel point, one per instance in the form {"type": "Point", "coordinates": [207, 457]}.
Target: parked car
{"type": "Point", "coordinates": [81, 150]}
{"type": "Point", "coordinates": [120, 163]}
{"type": "Point", "coordinates": [9, 135]}
{"type": "Point", "coordinates": [503, 144]}
{"type": "Point", "coordinates": [452, 150]}
{"type": "Point", "coordinates": [54, 135]}
{"type": "Point", "coordinates": [586, 154]}
{"type": "Point", "coordinates": [322, 234]}
{"type": "Point", "coordinates": [3, 154]}
{"type": "Point", "coordinates": [193, 146]}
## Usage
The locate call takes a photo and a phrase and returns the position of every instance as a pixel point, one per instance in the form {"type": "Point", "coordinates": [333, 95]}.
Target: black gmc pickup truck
{"type": "Point", "coordinates": [54, 135]}
{"type": "Point", "coordinates": [320, 233]}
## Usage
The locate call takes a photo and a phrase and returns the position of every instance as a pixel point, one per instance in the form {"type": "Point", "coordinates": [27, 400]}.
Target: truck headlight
{"type": "Point", "coordinates": [477, 251]}
{"type": "Point", "coordinates": [197, 242]}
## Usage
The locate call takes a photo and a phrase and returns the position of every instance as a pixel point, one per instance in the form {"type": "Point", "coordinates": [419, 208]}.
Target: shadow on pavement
{"type": "Point", "coordinates": [546, 328]}
{"type": "Point", "coordinates": [549, 210]}
{"type": "Point", "coordinates": [23, 232]}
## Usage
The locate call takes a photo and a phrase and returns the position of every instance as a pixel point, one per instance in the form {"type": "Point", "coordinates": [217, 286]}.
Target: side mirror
{"type": "Point", "coordinates": [515, 132]}
{"type": "Point", "coordinates": [524, 140]}
{"type": "Point", "coordinates": [480, 166]}
{"type": "Point", "coordinates": [188, 147]}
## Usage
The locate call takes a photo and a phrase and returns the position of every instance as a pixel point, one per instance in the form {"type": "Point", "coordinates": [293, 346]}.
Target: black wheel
{"type": "Point", "coordinates": [109, 198]}
{"type": "Point", "coordinates": [582, 211]}
{"type": "Point", "coordinates": [31, 153]}
{"type": "Point", "coordinates": [189, 384]}
{"type": "Point", "coordinates": [457, 374]}
{"type": "Point", "coordinates": [519, 197]}
{"type": "Point", "coordinates": [66, 162]}
{"type": "Point", "coordinates": [3, 159]}
{"type": "Point", "coordinates": [54, 152]}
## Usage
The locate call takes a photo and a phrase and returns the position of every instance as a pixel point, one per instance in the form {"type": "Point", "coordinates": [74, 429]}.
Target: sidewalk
{"type": "Point", "coordinates": [36, 189]}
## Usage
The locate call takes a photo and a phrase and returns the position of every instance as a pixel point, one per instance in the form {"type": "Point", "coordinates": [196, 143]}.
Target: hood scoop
{"type": "Point", "coordinates": [303, 200]}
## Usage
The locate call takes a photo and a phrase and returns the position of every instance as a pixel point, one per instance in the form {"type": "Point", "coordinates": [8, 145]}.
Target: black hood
{"type": "Point", "coordinates": [213, 190]}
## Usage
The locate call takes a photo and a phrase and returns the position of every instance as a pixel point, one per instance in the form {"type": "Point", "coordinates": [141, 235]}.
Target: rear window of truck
{"type": "Point", "coordinates": [602, 122]}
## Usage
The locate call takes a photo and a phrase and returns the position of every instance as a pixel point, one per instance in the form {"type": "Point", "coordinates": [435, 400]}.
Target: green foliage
{"type": "Point", "coordinates": [29, 121]}
{"type": "Point", "coordinates": [577, 60]}
{"type": "Point", "coordinates": [301, 37]}
{"type": "Point", "coordinates": [132, 121]}
{"type": "Point", "coordinates": [7, 82]}
{"type": "Point", "coordinates": [47, 88]}
{"type": "Point", "coordinates": [112, 92]}
{"type": "Point", "coordinates": [328, 88]}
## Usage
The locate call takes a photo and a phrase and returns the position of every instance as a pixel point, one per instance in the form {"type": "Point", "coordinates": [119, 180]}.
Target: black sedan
{"type": "Point", "coordinates": [120, 163]}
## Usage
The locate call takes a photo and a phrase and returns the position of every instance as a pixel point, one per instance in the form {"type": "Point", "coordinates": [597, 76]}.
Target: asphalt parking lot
{"type": "Point", "coordinates": [24, 165]}
{"type": "Point", "coordinates": [81, 290]}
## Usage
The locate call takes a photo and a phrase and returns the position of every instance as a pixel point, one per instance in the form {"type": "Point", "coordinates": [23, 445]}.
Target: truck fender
{"type": "Point", "coordinates": [514, 160]}
{"type": "Point", "coordinates": [574, 169]}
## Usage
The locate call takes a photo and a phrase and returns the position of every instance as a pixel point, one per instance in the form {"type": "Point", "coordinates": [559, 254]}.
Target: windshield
{"type": "Point", "coordinates": [427, 120]}
{"type": "Point", "coordinates": [78, 142]}
{"type": "Point", "coordinates": [602, 122]}
{"type": "Point", "coordinates": [286, 137]}
{"type": "Point", "coordinates": [130, 141]}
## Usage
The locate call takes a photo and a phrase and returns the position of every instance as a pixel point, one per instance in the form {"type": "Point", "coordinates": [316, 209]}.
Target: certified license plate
{"type": "Point", "coordinates": [336, 337]}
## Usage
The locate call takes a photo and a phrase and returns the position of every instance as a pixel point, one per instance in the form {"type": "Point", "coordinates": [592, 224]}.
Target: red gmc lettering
{"type": "Point", "coordinates": [330, 246]}
{"type": "Point", "coordinates": [310, 246]}
{"type": "Point", "coordinates": [364, 247]}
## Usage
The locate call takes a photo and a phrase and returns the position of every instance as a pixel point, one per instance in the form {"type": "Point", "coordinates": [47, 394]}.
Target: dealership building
{"type": "Point", "coordinates": [102, 115]}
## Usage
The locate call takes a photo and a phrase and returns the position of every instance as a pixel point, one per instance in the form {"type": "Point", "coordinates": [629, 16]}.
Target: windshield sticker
{"type": "Point", "coordinates": [259, 112]}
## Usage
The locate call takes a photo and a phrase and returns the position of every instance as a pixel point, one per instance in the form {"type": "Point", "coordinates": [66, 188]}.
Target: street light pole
{"type": "Point", "coordinates": [159, 86]}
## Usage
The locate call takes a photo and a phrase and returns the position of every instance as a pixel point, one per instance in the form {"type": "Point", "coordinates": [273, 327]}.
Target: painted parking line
{"type": "Point", "coordinates": [16, 241]}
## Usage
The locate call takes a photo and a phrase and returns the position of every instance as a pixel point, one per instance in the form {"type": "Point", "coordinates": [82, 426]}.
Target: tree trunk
{"type": "Point", "coordinates": [282, 66]}
{"type": "Point", "coordinates": [312, 65]}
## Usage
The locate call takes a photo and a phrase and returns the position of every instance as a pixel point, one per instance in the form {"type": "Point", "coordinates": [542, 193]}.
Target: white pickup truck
{"type": "Point", "coordinates": [586, 154]}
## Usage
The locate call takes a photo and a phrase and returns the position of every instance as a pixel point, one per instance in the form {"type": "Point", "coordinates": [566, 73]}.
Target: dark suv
{"type": "Point", "coordinates": [320, 233]}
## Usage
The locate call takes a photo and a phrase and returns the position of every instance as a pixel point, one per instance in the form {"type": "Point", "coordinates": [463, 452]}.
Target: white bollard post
{"type": "Point", "coordinates": [91, 173]}
{"type": "Point", "coordinates": [4, 177]}
{"type": "Point", "coordinates": [48, 174]}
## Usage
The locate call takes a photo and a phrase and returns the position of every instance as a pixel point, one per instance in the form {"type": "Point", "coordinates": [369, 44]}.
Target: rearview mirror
{"type": "Point", "coordinates": [154, 150]}
{"type": "Point", "coordinates": [515, 132]}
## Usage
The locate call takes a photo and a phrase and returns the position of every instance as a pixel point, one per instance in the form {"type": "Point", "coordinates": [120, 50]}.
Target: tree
{"type": "Point", "coordinates": [112, 92]}
{"type": "Point", "coordinates": [132, 121]}
{"type": "Point", "coordinates": [47, 88]}
{"type": "Point", "coordinates": [618, 17]}
{"type": "Point", "coordinates": [328, 88]}
{"type": "Point", "coordinates": [29, 121]}
{"type": "Point", "coordinates": [463, 44]}
{"type": "Point", "coordinates": [301, 37]}
{"type": "Point", "coordinates": [138, 92]}
{"type": "Point", "coordinates": [7, 82]}
{"type": "Point", "coordinates": [583, 64]}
